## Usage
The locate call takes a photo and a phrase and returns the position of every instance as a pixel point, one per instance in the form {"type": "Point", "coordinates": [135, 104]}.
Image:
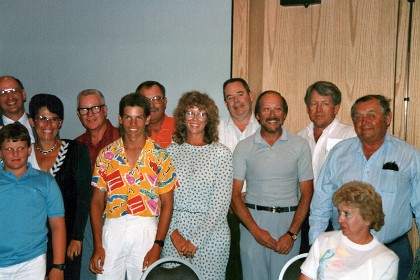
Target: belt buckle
{"type": "Point", "coordinates": [273, 209]}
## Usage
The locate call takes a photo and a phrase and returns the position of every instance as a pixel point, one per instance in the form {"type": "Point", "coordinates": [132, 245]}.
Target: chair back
{"type": "Point", "coordinates": [294, 264]}
{"type": "Point", "coordinates": [180, 269]}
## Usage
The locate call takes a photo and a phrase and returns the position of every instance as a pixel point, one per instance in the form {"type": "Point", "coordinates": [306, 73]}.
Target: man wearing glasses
{"type": "Point", "coordinates": [92, 112]}
{"type": "Point", "coordinates": [12, 98]}
{"type": "Point", "coordinates": [161, 127]}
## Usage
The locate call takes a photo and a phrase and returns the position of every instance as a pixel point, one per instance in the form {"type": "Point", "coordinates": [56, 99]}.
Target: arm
{"type": "Point", "coordinates": [286, 242]}
{"type": "Point", "coordinates": [321, 205]}
{"type": "Point", "coordinates": [304, 277]}
{"type": "Point", "coordinates": [83, 176]}
{"type": "Point", "coordinates": [392, 272]}
{"type": "Point", "coordinates": [242, 212]}
{"type": "Point", "coordinates": [167, 203]}
{"type": "Point", "coordinates": [58, 231]}
{"type": "Point", "coordinates": [415, 197]}
{"type": "Point", "coordinates": [96, 213]}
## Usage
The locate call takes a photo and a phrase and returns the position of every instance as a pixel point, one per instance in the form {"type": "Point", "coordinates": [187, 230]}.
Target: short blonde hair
{"type": "Point", "coordinates": [363, 197]}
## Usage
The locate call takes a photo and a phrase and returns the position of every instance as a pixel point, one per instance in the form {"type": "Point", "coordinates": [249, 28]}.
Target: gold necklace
{"type": "Point", "coordinates": [44, 152]}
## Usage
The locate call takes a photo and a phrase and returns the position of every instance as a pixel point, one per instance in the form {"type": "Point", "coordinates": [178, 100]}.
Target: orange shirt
{"type": "Point", "coordinates": [164, 137]}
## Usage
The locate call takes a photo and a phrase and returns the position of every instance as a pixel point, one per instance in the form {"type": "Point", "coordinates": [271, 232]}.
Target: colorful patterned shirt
{"type": "Point", "coordinates": [136, 190]}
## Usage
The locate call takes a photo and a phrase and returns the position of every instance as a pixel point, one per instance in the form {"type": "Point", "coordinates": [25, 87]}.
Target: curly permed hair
{"type": "Point", "coordinates": [362, 196]}
{"type": "Point", "coordinates": [203, 102]}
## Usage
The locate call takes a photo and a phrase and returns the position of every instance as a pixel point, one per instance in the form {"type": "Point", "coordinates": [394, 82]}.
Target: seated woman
{"type": "Point", "coordinates": [353, 252]}
{"type": "Point", "coordinates": [68, 162]}
{"type": "Point", "coordinates": [199, 229]}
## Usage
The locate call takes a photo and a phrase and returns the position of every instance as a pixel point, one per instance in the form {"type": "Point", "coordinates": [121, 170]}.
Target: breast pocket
{"type": "Point", "coordinates": [391, 181]}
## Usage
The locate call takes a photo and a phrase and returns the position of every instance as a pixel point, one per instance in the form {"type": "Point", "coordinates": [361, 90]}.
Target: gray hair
{"type": "Point", "coordinates": [88, 92]}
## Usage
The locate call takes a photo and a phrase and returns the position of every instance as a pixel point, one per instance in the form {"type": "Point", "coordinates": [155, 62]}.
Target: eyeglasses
{"type": "Point", "coordinates": [93, 109]}
{"type": "Point", "coordinates": [345, 214]}
{"type": "Point", "coordinates": [10, 90]}
{"type": "Point", "coordinates": [189, 115]}
{"type": "Point", "coordinates": [368, 116]}
{"type": "Point", "coordinates": [45, 119]}
{"type": "Point", "coordinates": [156, 99]}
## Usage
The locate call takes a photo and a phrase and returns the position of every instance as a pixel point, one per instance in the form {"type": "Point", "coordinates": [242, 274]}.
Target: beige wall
{"type": "Point", "coordinates": [359, 45]}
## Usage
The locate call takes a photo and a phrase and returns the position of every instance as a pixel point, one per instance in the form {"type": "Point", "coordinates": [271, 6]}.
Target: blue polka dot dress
{"type": "Point", "coordinates": [201, 204]}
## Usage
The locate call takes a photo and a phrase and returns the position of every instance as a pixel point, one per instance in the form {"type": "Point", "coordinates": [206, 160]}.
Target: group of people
{"type": "Point", "coordinates": [232, 196]}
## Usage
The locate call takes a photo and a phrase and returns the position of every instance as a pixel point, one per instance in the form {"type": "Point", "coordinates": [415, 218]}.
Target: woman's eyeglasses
{"type": "Point", "coordinates": [189, 115]}
{"type": "Point", "coordinates": [45, 119]}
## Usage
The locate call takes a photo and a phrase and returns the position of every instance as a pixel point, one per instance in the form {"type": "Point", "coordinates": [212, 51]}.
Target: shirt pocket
{"type": "Point", "coordinates": [390, 181]}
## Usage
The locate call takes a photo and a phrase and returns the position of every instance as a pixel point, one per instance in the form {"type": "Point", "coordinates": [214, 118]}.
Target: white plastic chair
{"type": "Point", "coordinates": [184, 270]}
{"type": "Point", "coordinates": [289, 263]}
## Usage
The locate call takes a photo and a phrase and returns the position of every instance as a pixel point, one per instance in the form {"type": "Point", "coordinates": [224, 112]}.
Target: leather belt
{"type": "Point", "coordinates": [271, 209]}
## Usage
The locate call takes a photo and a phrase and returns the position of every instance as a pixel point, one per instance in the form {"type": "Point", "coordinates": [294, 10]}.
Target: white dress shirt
{"type": "Point", "coordinates": [24, 120]}
{"type": "Point", "coordinates": [230, 135]}
{"type": "Point", "coordinates": [331, 135]}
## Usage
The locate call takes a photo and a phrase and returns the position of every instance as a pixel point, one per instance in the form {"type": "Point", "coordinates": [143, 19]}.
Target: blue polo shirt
{"type": "Point", "coordinates": [26, 203]}
{"type": "Point", "coordinates": [273, 173]}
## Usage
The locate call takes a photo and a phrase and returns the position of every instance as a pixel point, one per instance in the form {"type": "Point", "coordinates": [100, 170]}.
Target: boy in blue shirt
{"type": "Point", "coordinates": [29, 197]}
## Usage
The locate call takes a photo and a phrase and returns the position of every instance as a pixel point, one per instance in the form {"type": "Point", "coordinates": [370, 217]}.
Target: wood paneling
{"type": "Point", "coordinates": [413, 85]}
{"type": "Point", "coordinates": [240, 38]}
{"type": "Point", "coordinates": [359, 45]}
{"type": "Point", "coordinates": [407, 82]}
{"type": "Point", "coordinates": [339, 41]}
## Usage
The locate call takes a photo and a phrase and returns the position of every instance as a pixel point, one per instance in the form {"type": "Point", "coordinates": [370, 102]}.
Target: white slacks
{"type": "Point", "coordinates": [126, 241]}
{"type": "Point", "coordinates": [32, 269]}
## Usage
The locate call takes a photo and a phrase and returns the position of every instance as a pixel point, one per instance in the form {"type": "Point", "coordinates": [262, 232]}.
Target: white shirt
{"type": "Point", "coordinates": [230, 135]}
{"type": "Point", "coordinates": [331, 135]}
{"type": "Point", "coordinates": [333, 256]}
{"type": "Point", "coordinates": [24, 121]}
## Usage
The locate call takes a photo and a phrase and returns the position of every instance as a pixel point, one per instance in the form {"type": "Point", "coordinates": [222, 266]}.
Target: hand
{"type": "Point", "coordinates": [285, 244]}
{"type": "Point", "coordinates": [178, 241]}
{"type": "Point", "coordinates": [55, 274]}
{"type": "Point", "coordinates": [74, 249]}
{"type": "Point", "coordinates": [97, 260]}
{"type": "Point", "coordinates": [243, 194]}
{"type": "Point", "coordinates": [189, 249]}
{"type": "Point", "coordinates": [151, 256]}
{"type": "Point", "coordinates": [184, 247]}
{"type": "Point", "coordinates": [264, 238]}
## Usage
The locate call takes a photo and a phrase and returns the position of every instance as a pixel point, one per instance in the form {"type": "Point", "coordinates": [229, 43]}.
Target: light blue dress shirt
{"type": "Point", "coordinates": [400, 190]}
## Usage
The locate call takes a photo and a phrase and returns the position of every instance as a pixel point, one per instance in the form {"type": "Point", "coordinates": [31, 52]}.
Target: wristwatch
{"type": "Point", "coordinates": [160, 242]}
{"type": "Point", "coordinates": [61, 266]}
{"type": "Point", "coordinates": [292, 235]}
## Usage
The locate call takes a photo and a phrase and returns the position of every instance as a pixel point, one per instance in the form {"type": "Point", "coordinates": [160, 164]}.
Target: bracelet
{"type": "Point", "coordinates": [61, 266]}
{"type": "Point", "coordinates": [161, 243]}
